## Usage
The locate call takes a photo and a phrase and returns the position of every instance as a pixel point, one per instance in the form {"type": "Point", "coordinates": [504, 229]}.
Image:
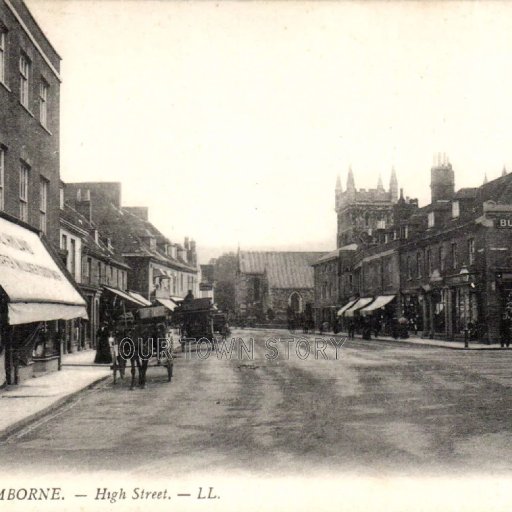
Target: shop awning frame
{"type": "Point", "coordinates": [168, 303]}
{"type": "Point", "coordinates": [378, 303]}
{"type": "Point", "coordinates": [124, 295]}
{"type": "Point", "coordinates": [348, 305]}
{"type": "Point", "coordinates": [360, 303]}
{"type": "Point", "coordinates": [140, 298]}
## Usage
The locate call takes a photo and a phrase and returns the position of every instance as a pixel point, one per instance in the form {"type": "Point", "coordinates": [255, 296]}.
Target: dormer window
{"type": "Point", "coordinates": [455, 209]}
{"type": "Point", "coordinates": [431, 219]}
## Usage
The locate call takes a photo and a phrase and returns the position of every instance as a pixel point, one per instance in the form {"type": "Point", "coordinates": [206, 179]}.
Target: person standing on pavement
{"type": "Point", "coordinates": [505, 331]}
{"type": "Point", "coordinates": [103, 353]}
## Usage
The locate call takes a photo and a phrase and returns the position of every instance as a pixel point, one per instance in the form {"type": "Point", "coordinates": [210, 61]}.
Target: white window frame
{"type": "Point", "coordinates": [431, 219]}
{"type": "Point", "coordinates": [24, 80]}
{"type": "Point", "coordinates": [44, 87]}
{"type": "Point", "coordinates": [3, 53]}
{"type": "Point", "coordinates": [24, 184]}
{"type": "Point", "coordinates": [455, 209]}
{"type": "Point", "coordinates": [2, 178]}
{"type": "Point", "coordinates": [43, 203]}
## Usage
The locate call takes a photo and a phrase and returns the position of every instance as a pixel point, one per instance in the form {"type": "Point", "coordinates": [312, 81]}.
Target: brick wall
{"type": "Point", "coordinates": [22, 135]}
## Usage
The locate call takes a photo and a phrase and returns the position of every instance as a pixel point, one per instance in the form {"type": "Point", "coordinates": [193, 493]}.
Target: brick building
{"type": "Point", "coordinates": [29, 120]}
{"type": "Point", "coordinates": [444, 269]}
{"type": "Point", "coordinates": [99, 272]}
{"type": "Point", "coordinates": [35, 288]}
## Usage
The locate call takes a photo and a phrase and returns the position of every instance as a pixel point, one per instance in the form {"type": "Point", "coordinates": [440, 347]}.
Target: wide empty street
{"type": "Point", "coordinates": [380, 407]}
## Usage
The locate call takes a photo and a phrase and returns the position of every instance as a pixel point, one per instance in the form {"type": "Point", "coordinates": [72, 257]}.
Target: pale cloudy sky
{"type": "Point", "coordinates": [231, 120]}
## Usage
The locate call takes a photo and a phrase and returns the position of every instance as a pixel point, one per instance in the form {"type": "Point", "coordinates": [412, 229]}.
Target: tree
{"type": "Point", "coordinates": [224, 274]}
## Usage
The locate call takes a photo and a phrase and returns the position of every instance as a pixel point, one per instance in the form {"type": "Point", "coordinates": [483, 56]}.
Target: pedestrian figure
{"type": "Point", "coordinates": [351, 329]}
{"type": "Point", "coordinates": [505, 331]}
{"type": "Point", "coordinates": [103, 353]}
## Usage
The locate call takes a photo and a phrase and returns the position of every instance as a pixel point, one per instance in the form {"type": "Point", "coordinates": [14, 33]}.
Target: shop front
{"type": "Point", "coordinates": [35, 292]}
{"type": "Point", "coordinates": [381, 314]}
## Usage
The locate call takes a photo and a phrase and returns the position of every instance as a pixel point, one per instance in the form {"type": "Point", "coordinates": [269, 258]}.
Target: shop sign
{"type": "Point", "coordinates": [503, 222]}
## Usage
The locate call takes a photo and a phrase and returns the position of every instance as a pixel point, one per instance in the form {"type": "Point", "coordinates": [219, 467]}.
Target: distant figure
{"type": "Point", "coordinates": [189, 296]}
{"type": "Point", "coordinates": [103, 353]}
{"type": "Point", "coordinates": [351, 329]}
{"type": "Point", "coordinates": [505, 331]}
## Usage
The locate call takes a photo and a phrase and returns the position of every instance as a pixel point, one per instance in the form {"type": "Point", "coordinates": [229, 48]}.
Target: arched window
{"type": "Point", "coordinates": [295, 302]}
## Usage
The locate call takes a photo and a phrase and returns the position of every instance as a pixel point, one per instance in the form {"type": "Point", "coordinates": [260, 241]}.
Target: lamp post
{"type": "Point", "coordinates": [465, 275]}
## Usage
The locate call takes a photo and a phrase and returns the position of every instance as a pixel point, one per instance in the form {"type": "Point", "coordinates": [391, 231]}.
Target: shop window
{"type": "Point", "coordinates": [455, 209]}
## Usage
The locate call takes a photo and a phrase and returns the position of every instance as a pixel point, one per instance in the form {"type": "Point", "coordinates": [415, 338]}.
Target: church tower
{"type": "Point", "coordinates": [393, 186]}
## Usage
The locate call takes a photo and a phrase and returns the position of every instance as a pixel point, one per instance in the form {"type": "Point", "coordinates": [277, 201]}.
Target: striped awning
{"type": "Point", "coordinates": [378, 303]}
{"type": "Point", "coordinates": [360, 303]}
{"type": "Point", "coordinates": [346, 306]}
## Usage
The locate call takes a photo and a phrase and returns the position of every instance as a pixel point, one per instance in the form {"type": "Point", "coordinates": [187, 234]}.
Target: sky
{"type": "Point", "coordinates": [231, 120]}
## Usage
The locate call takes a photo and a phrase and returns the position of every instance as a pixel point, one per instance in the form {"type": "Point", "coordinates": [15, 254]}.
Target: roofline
{"type": "Point", "coordinates": [33, 39]}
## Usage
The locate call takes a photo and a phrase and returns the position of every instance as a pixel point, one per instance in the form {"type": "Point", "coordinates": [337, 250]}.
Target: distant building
{"type": "Point", "coordinates": [271, 285]}
{"type": "Point", "coordinates": [159, 269]}
{"type": "Point", "coordinates": [360, 213]}
{"type": "Point", "coordinates": [207, 281]}
{"type": "Point", "coordinates": [443, 270]}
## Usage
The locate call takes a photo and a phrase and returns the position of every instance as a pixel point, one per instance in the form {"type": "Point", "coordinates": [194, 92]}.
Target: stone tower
{"type": "Point", "coordinates": [442, 180]}
{"type": "Point", "coordinates": [362, 213]}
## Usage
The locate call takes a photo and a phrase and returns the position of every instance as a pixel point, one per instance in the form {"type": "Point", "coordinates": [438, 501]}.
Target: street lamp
{"type": "Point", "coordinates": [465, 273]}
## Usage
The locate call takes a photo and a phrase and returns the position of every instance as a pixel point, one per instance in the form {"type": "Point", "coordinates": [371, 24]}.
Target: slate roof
{"type": "Point", "coordinates": [283, 269]}
{"type": "Point", "coordinates": [335, 254]}
{"type": "Point", "coordinates": [98, 249]}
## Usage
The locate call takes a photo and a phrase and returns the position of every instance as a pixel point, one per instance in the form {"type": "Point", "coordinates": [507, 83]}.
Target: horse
{"type": "Point", "coordinates": [139, 345]}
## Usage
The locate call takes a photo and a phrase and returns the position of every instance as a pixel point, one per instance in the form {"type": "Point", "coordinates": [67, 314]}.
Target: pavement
{"type": "Point", "coordinates": [31, 399]}
{"type": "Point", "coordinates": [411, 340]}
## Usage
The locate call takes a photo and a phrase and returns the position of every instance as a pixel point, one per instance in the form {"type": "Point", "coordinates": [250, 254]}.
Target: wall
{"type": "Point", "coordinates": [21, 132]}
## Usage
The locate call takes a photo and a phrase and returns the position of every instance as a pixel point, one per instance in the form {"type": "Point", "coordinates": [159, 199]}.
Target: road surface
{"type": "Point", "coordinates": [379, 407]}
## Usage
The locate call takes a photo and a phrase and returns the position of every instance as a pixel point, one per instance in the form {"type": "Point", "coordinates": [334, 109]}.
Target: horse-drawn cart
{"type": "Point", "coordinates": [145, 342]}
{"type": "Point", "coordinates": [199, 319]}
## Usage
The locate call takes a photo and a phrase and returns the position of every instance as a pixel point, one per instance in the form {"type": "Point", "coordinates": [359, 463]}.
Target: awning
{"type": "Point", "coordinates": [158, 273]}
{"type": "Point", "coordinates": [378, 303]}
{"type": "Point", "coordinates": [36, 287]}
{"type": "Point", "coordinates": [346, 306]}
{"type": "Point", "coordinates": [124, 296]}
{"type": "Point", "coordinates": [140, 298]}
{"type": "Point", "coordinates": [168, 303]}
{"type": "Point", "coordinates": [360, 303]}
